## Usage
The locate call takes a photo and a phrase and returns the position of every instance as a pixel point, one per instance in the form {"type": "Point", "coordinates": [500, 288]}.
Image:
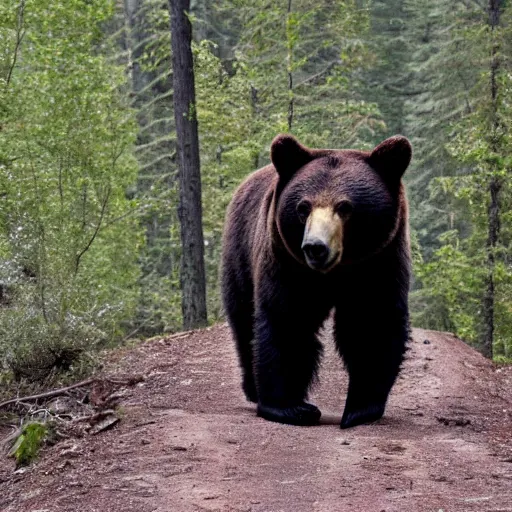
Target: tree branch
{"type": "Point", "coordinates": [20, 34]}
{"type": "Point", "coordinates": [321, 73]}
{"type": "Point", "coordinates": [96, 230]}
{"type": "Point", "coordinates": [49, 394]}
{"type": "Point", "coordinates": [130, 381]}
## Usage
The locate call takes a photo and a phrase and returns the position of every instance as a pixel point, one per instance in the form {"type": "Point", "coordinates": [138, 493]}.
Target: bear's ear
{"type": "Point", "coordinates": [392, 157]}
{"type": "Point", "coordinates": [288, 155]}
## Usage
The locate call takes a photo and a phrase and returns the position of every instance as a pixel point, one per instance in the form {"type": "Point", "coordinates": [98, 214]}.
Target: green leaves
{"type": "Point", "coordinates": [433, 80]}
{"type": "Point", "coordinates": [66, 139]}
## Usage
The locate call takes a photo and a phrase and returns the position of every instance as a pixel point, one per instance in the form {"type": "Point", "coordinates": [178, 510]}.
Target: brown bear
{"type": "Point", "coordinates": [319, 229]}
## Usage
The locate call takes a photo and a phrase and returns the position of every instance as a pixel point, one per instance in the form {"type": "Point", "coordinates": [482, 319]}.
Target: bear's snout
{"type": "Point", "coordinates": [322, 244]}
{"type": "Point", "coordinates": [316, 252]}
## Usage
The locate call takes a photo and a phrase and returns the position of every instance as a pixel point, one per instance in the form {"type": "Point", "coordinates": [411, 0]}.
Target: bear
{"type": "Point", "coordinates": [314, 232]}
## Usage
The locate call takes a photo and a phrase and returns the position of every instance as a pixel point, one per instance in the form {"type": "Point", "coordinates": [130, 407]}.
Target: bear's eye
{"type": "Point", "coordinates": [303, 210]}
{"type": "Point", "coordinates": [344, 208]}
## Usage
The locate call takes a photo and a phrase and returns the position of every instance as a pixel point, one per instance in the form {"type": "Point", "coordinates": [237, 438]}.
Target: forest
{"type": "Point", "coordinates": [90, 244]}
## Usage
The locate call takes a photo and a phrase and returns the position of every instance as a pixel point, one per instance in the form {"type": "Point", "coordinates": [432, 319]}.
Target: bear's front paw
{"type": "Point", "coordinates": [303, 414]}
{"type": "Point", "coordinates": [360, 416]}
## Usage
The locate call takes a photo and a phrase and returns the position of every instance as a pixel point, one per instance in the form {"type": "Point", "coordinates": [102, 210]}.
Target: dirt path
{"type": "Point", "coordinates": [189, 442]}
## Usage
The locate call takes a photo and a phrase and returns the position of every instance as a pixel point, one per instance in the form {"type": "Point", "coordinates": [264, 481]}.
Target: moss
{"type": "Point", "coordinates": [29, 442]}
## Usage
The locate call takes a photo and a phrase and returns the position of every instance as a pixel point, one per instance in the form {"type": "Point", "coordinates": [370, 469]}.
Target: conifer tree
{"type": "Point", "coordinates": [193, 281]}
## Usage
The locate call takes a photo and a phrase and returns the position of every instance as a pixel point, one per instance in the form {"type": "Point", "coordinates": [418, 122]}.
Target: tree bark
{"type": "Point", "coordinates": [494, 187]}
{"type": "Point", "coordinates": [289, 68]}
{"type": "Point", "coordinates": [193, 286]}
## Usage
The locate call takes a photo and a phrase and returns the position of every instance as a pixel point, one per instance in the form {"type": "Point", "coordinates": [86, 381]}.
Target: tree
{"type": "Point", "coordinates": [193, 284]}
{"type": "Point", "coordinates": [495, 180]}
{"type": "Point", "coordinates": [469, 272]}
{"type": "Point", "coordinates": [67, 233]}
{"type": "Point", "coordinates": [387, 80]}
{"type": "Point", "coordinates": [303, 79]}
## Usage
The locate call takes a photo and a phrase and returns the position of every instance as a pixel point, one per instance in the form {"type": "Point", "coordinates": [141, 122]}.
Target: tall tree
{"type": "Point", "coordinates": [467, 278]}
{"type": "Point", "coordinates": [193, 284]}
{"type": "Point", "coordinates": [387, 81]}
{"type": "Point", "coordinates": [494, 187]}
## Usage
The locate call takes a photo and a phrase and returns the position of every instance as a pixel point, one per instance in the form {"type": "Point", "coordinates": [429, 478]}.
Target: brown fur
{"type": "Point", "coordinates": [274, 296]}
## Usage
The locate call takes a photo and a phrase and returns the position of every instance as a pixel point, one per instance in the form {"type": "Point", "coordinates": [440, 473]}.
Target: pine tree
{"type": "Point", "coordinates": [305, 80]}
{"type": "Point", "coordinates": [467, 273]}
{"type": "Point", "coordinates": [193, 281]}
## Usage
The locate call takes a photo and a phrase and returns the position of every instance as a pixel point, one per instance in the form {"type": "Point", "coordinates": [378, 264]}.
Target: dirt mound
{"type": "Point", "coordinates": [188, 441]}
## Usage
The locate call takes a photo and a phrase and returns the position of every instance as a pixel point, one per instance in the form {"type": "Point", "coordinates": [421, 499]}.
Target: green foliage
{"type": "Point", "coordinates": [140, 31]}
{"type": "Point", "coordinates": [89, 233]}
{"type": "Point", "coordinates": [387, 78]}
{"type": "Point", "coordinates": [61, 346]}
{"type": "Point", "coordinates": [277, 46]}
{"type": "Point", "coordinates": [67, 259]}
{"type": "Point", "coordinates": [449, 299]}
{"type": "Point", "coordinates": [243, 102]}
{"type": "Point", "coordinates": [29, 442]}
{"type": "Point", "coordinates": [474, 149]}
{"type": "Point", "coordinates": [227, 151]}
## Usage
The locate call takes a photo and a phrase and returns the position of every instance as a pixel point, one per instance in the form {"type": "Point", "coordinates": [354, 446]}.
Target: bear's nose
{"type": "Point", "coordinates": [316, 252]}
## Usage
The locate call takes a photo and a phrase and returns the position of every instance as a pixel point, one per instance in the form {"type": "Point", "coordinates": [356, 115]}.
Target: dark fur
{"type": "Point", "coordinates": [276, 304]}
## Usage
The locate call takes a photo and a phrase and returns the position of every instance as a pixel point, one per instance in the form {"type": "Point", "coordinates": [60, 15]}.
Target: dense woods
{"type": "Point", "coordinates": [90, 230]}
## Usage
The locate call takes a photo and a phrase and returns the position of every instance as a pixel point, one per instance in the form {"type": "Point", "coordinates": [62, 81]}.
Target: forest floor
{"type": "Point", "coordinates": [188, 440]}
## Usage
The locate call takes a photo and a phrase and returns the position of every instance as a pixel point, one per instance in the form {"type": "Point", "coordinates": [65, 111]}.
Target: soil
{"type": "Point", "coordinates": [188, 440]}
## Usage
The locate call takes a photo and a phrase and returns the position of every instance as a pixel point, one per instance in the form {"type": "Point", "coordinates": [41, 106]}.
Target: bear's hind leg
{"type": "Point", "coordinates": [238, 304]}
{"type": "Point", "coordinates": [241, 321]}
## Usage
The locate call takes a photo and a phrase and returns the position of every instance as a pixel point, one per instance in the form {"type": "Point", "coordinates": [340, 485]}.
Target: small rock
{"type": "Point", "coordinates": [426, 342]}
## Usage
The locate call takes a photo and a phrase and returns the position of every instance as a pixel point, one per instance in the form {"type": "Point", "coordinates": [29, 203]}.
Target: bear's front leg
{"type": "Point", "coordinates": [372, 341]}
{"type": "Point", "coordinates": [286, 363]}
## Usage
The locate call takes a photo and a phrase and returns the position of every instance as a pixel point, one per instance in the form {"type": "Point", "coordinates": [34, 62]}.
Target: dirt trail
{"type": "Point", "coordinates": [189, 442]}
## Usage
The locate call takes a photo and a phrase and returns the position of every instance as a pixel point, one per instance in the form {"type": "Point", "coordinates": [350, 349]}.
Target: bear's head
{"type": "Point", "coordinates": [338, 206]}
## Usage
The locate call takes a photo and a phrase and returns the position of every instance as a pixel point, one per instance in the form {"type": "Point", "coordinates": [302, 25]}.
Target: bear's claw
{"type": "Point", "coordinates": [303, 414]}
{"type": "Point", "coordinates": [359, 417]}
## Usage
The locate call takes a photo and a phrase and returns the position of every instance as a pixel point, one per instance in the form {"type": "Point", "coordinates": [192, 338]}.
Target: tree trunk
{"type": "Point", "coordinates": [493, 212]}
{"type": "Point", "coordinates": [289, 59]}
{"type": "Point", "coordinates": [193, 286]}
